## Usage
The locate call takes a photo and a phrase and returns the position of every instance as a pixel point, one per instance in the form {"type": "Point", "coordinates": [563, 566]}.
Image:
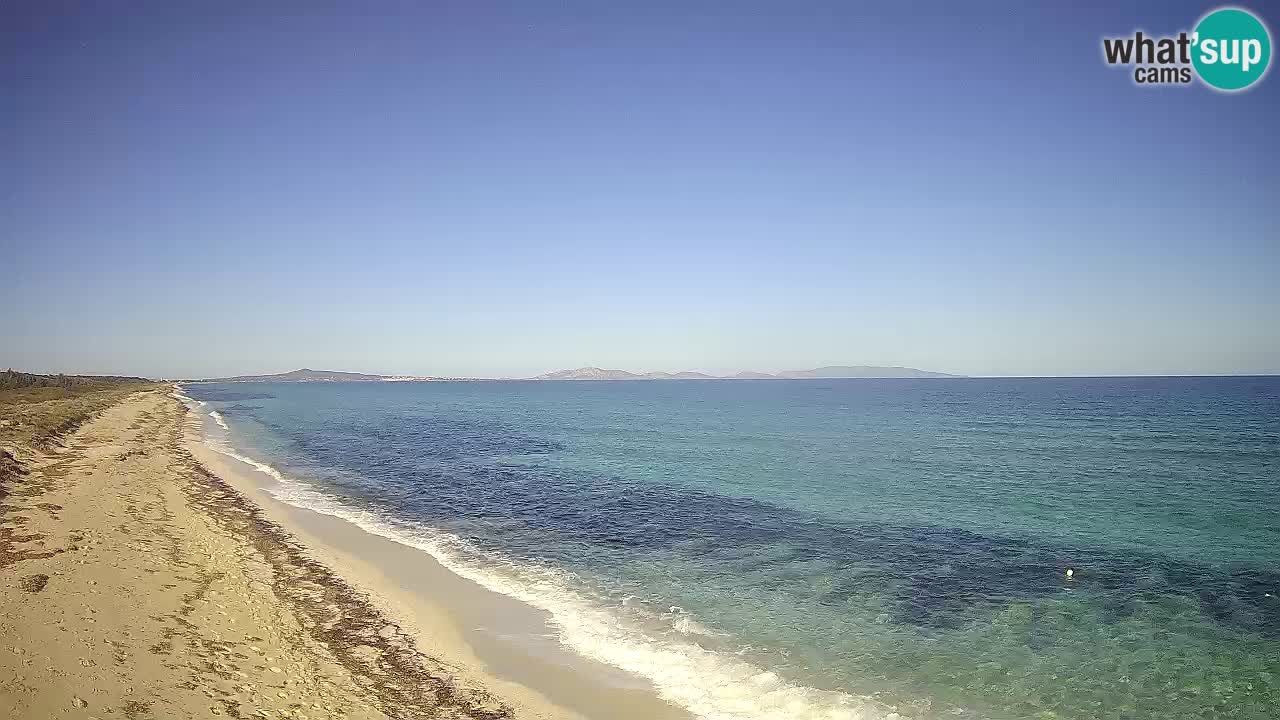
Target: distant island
{"type": "Point", "coordinates": [309, 375]}
{"type": "Point", "coordinates": [595, 373]}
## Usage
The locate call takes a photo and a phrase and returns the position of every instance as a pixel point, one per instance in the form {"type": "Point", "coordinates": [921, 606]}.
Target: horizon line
{"type": "Point", "coordinates": [471, 378]}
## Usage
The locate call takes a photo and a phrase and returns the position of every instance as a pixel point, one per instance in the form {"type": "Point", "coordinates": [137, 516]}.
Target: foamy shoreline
{"type": "Point", "coordinates": [595, 643]}
{"type": "Point", "coordinates": [494, 640]}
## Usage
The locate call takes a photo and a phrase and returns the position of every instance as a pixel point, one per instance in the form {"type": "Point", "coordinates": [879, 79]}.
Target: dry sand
{"type": "Point", "coordinates": [135, 583]}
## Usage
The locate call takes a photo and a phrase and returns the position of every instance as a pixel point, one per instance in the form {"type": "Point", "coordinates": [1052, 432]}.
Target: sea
{"type": "Point", "coordinates": [832, 549]}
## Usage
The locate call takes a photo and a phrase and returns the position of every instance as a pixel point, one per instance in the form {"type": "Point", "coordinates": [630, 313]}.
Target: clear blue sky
{"type": "Point", "coordinates": [478, 188]}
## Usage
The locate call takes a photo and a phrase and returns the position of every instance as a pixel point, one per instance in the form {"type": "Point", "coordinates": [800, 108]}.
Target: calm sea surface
{"type": "Point", "coordinates": [835, 548]}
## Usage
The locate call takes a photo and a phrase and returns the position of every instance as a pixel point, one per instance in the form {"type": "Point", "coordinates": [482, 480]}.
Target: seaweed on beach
{"type": "Point", "coordinates": [403, 682]}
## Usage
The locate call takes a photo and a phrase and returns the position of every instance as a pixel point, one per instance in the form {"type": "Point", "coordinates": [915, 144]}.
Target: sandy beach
{"type": "Point", "coordinates": [144, 575]}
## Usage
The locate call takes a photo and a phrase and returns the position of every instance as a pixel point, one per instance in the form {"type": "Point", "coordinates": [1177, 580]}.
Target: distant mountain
{"type": "Point", "coordinates": [589, 373]}
{"type": "Point", "coordinates": [830, 372]}
{"type": "Point", "coordinates": [309, 375]}
{"type": "Point", "coordinates": [686, 375]}
{"type": "Point", "coordinates": [862, 371]}
{"type": "Point", "coordinates": [692, 375]}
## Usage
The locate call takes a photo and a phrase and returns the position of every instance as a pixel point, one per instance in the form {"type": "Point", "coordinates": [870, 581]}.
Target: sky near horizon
{"type": "Point", "coordinates": [502, 189]}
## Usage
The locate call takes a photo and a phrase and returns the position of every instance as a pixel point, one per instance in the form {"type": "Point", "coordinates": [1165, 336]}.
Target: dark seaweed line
{"type": "Point", "coordinates": [403, 681]}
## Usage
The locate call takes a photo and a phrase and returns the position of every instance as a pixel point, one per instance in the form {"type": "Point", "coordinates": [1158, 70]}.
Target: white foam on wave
{"type": "Point", "coordinates": [223, 447]}
{"type": "Point", "coordinates": [711, 685]}
{"type": "Point", "coordinates": [190, 402]}
{"type": "Point", "coordinates": [259, 466]}
{"type": "Point", "coordinates": [689, 626]}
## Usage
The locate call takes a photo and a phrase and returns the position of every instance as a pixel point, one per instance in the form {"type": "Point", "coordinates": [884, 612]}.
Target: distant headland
{"type": "Point", "coordinates": [309, 375]}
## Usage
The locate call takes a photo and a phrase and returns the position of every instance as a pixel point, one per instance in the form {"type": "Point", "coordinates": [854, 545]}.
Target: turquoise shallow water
{"type": "Point", "coordinates": [833, 549]}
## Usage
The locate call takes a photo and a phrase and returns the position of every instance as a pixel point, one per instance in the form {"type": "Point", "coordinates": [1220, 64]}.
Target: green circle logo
{"type": "Point", "coordinates": [1232, 49]}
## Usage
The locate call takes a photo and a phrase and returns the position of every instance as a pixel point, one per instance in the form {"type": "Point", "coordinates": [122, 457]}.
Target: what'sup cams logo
{"type": "Point", "coordinates": [1229, 50]}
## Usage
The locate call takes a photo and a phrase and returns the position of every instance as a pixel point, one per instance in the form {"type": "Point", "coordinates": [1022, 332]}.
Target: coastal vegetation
{"type": "Point", "coordinates": [36, 409]}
